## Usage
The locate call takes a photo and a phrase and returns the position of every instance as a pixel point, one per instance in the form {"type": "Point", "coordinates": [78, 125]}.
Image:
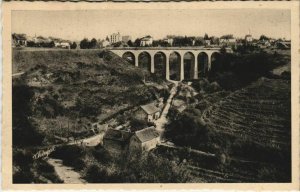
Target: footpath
{"type": "Point", "coordinates": [65, 173]}
{"type": "Point", "coordinates": [162, 121]}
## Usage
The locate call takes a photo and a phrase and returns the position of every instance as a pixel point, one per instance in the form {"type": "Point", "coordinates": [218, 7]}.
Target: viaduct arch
{"type": "Point", "coordinates": [199, 64]}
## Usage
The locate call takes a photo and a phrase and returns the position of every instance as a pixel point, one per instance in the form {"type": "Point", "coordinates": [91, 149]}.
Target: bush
{"type": "Point", "coordinates": [24, 131]}
{"type": "Point", "coordinates": [73, 45]}
{"type": "Point", "coordinates": [137, 124]}
{"type": "Point", "coordinates": [71, 156]}
{"type": "Point", "coordinates": [286, 75]}
{"type": "Point", "coordinates": [154, 169]}
{"type": "Point", "coordinates": [102, 155]}
{"type": "Point", "coordinates": [238, 70]}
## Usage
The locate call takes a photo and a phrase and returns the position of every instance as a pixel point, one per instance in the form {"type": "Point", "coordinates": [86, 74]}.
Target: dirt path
{"type": "Point", "coordinates": [160, 123]}
{"type": "Point", "coordinates": [65, 173]}
{"type": "Point", "coordinates": [90, 141]}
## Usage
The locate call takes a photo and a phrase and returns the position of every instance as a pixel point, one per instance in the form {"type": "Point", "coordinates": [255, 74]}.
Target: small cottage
{"type": "Point", "coordinates": [144, 140]}
{"type": "Point", "coordinates": [116, 141]}
{"type": "Point", "coordinates": [146, 41]}
{"type": "Point", "coordinates": [148, 112]}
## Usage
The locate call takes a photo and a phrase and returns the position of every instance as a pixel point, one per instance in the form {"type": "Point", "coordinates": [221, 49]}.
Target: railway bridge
{"type": "Point", "coordinates": [191, 61]}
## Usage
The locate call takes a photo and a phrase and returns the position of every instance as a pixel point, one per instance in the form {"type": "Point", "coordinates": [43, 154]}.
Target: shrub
{"type": "Point", "coordinates": [102, 155]}
{"type": "Point", "coordinates": [73, 45]}
{"type": "Point", "coordinates": [24, 131]}
{"type": "Point", "coordinates": [150, 168]}
{"type": "Point", "coordinates": [71, 155]}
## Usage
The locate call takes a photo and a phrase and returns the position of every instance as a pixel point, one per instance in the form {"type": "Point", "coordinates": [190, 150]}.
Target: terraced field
{"type": "Point", "coordinates": [261, 112]}
{"type": "Point", "coordinates": [203, 175]}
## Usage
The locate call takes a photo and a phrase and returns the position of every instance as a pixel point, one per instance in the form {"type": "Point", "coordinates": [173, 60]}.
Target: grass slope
{"type": "Point", "coordinates": [70, 89]}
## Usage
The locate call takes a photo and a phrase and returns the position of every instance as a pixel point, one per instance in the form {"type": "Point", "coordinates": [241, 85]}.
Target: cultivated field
{"type": "Point", "coordinates": [260, 112]}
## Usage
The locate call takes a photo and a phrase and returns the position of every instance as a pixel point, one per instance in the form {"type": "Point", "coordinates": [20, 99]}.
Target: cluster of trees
{"type": "Point", "coordinates": [87, 44]}
{"type": "Point", "coordinates": [228, 36]}
{"type": "Point", "coordinates": [47, 44]}
{"type": "Point", "coordinates": [245, 67]}
{"type": "Point", "coordinates": [104, 168]}
{"type": "Point", "coordinates": [148, 168]}
{"type": "Point", "coordinates": [24, 130]}
{"type": "Point", "coordinates": [189, 130]}
{"type": "Point", "coordinates": [179, 41]}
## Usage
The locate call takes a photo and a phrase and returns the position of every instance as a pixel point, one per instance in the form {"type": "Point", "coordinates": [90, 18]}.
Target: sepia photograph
{"type": "Point", "coordinates": [154, 95]}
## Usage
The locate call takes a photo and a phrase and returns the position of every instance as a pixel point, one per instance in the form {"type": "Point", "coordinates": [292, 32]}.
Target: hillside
{"type": "Point", "coordinates": [260, 112]}
{"type": "Point", "coordinates": [249, 130]}
{"type": "Point", "coordinates": [68, 90]}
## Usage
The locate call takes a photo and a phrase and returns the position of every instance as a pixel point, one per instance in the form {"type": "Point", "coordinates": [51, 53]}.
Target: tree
{"type": "Point", "coordinates": [199, 42]}
{"type": "Point", "coordinates": [129, 43]}
{"type": "Point", "coordinates": [25, 132]}
{"type": "Point", "coordinates": [206, 36]}
{"type": "Point", "coordinates": [84, 44]}
{"type": "Point", "coordinates": [73, 45]}
{"type": "Point", "coordinates": [229, 36]}
{"type": "Point", "coordinates": [93, 43]}
{"type": "Point", "coordinates": [137, 42]}
{"type": "Point", "coordinates": [51, 44]}
{"type": "Point", "coordinates": [263, 38]}
{"type": "Point", "coordinates": [223, 50]}
{"type": "Point", "coordinates": [214, 40]}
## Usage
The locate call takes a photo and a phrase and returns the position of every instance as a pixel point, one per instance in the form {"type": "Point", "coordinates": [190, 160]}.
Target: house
{"type": "Point", "coordinates": [248, 38]}
{"type": "Point", "coordinates": [116, 141]}
{"type": "Point", "coordinates": [144, 140]}
{"type": "Point", "coordinates": [63, 44]}
{"type": "Point", "coordinates": [227, 41]}
{"type": "Point", "coordinates": [115, 37]}
{"type": "Point", "coordinates": [207, 42]}
{"type": "Point", "coordinates": [169, 41]}
{"type": "Point", "coordinates": [19, 40]}
{"type": "Point", "coordinates": [264, 44]}
{"type": "Point", "coordinates": [146, 41]}
{"type": "Point", "coordinates": [104, 43]}
{"type": "Point", "coordinates": [148, 112]}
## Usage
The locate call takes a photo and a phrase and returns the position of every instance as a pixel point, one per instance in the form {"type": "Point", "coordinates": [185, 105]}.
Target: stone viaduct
{"type": "Point", "coordinates": [167, 51]}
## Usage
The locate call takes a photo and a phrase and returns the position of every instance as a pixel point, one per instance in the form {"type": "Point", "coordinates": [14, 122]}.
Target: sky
{"type": "Point", "coordinates": [76, 25]}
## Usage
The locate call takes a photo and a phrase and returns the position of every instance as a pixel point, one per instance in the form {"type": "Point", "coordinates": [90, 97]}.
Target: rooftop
{"type": "Point", "coordinates": [147, 38]}
{"type": "Point", "coordinates": [117, 135]}
{"type": "Point", "coordinates": [147, 134]}
{"type": "Point", "coordinates": [150, 108]}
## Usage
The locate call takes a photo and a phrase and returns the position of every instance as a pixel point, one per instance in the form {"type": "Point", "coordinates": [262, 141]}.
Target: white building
{"type": "Point", "coordinates": [146, 41]}
{"type": "Point", "coordinates": [105, 43]}
{"type": "Point", "coordinates": [225, 41]}
{"type": "Point", "coordinates": [115, 37]}
{"type": "Point", "coordinates": [248, 38]}
{"type": "Point", "coordinates": [65, 45]}
{"type": "Point", "coordinates": [169, 41]}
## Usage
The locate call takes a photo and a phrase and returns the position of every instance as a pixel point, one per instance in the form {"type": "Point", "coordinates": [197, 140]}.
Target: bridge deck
{"type": "Point", "coordinates": [165, 48]}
